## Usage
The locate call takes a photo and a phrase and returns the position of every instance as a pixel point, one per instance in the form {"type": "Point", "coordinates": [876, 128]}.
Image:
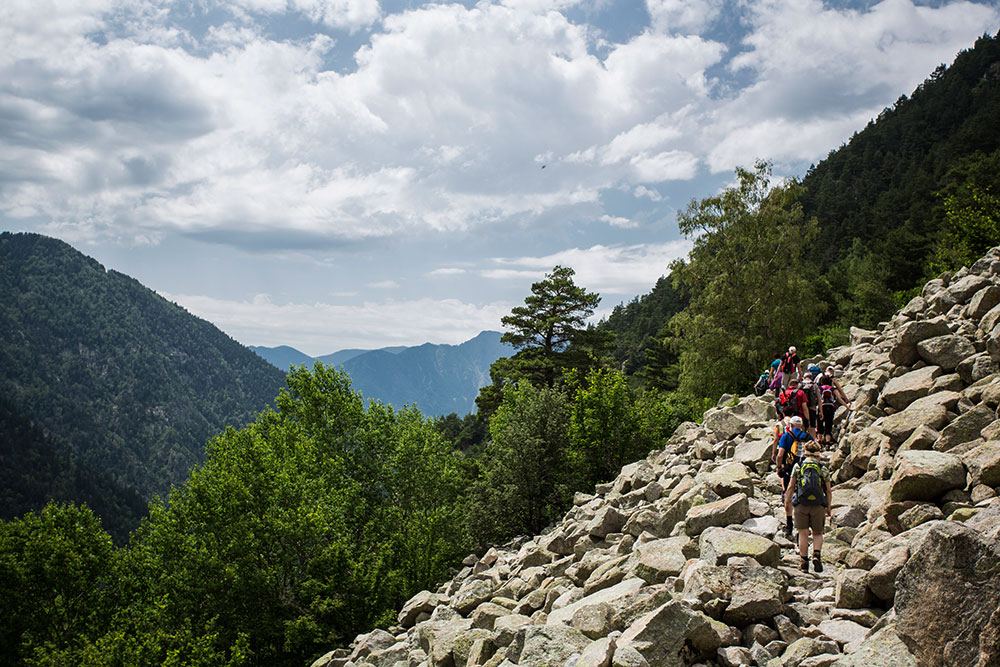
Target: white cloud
{"type": "Point", "coordinates": [683, 15]}
{"type": "Point", "coordinates": [649, 193]}
{"type": "Point", "coordinates": [348, 14]}
{"type": "Point", "coordinates": [323, 328]}
{"type": "Point", "coordinates": [618, 221]}
{"type": "Point", "coordinates": [384, 284]}
{"type": "Point", "coordinates": [821, 73]}
{"type": "Point", "coordinates": [447, 271]}
{"type": "Point", "coordinates": [607, 270]}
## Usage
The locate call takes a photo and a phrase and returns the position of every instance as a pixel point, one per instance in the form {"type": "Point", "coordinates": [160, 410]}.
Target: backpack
{"type": "Point", "coordinates": [791, 397]}
{"type": "Point", "coordinates": [812, 394]}
{"type": "Point", "coordinates": [787, 365]}
{"type": "Point", "coordinates": [793, 450]}
{"type": "Point", "coordinates": [761, 385]}
{"type": "Point", "coordinates": [809, 489]}
{"type": "Point", "coordinates": [828, 396]}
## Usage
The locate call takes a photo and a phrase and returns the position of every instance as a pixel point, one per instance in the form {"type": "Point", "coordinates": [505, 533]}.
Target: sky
{"type": "Point", "coordinates": [332, 174]}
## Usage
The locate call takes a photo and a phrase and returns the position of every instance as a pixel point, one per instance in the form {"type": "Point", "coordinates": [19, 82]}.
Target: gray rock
{"type": "Point", "coordinates": [922, 438]}
{"type": "Point", "coordinates": [882, 577]}
{"type": "Point", "coordinates": [607, 520]}
{"type": "Point", "coordinates": [902, 390]}
{"type": "Point", "coordinates": [983, 463]}
{"type": "Point", "coordinates": [982, 302]}
{"type": "Point", "coordinates": [965, 428]}
{"type": "Point", "coordinates": [963, 289]}
{"type": "Point", "coordinates": [661, 634]}
{"type": "Point", "coordinates": [946, 598]}
{"type": "Point", "coordinates": [752, 452]}
{"type": "Point", "coordinates": [734, 656]}
{"type": "Point", "coordinates": [925, 475]}
{"type": "Point", "coordinates": [660, 559]}
{"type": "Point", "coordinates": [758, 595]}
{"type": "Point", "coordinates": [852, 589]}
{"type": "Point", "coordinates": [883, 648]}
{"type": "Point", "coordinates": [899, 426]}
{"type": "Point", "coordinates": [634, 606]}
{"type": "Point", "coordinates": [594, 621]}
{"type": "Point", "coordinates": [627, 656]}
{"type": "Point", "coordinates": [975, 368]}
{"type": "Point", "coordinates": [732, 510]}
{"type": "Point", "coordinates": [373, 642]}
{"type": "Point", "coordinates": [437, 639]}
{"type": "Point", "coordinates": [800, 650]}
{"type": "Point", "coordinates": [463, 647]}
{"type": "Point", "coordinates": [486, 615]}
{"type": "Point", "coordinates": [473, 593]}
{"type": "Point", "coordinates": [598, 654]}
{"type": "Point", "coordinates": [718, 545]}
{"type": "Point", "coordinates": [507, 627]}
{"type": "Point", "coordinates": [730, 479]}
{"type": "Point", "coordinates": [725, 424]}
{"type": "Point", "coordinates": [548, 645]}
{"type": "Point", "coordinates": [564, 615]}
{"type": "Point", "coordinates": [843, 631]}
{"type": "Point", "coordinates": [945, 351]}
{"type": "Point", "coordinates": [904, 353]}
{"type": "Point", "coordinates": [421, 603]}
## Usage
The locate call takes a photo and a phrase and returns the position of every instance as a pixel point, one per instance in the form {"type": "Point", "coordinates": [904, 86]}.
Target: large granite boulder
{"type": "Point", "coordinates": [965, 428]}
{"type": "Point", "coordinates": [660, 636]}
{"type": "Point", "coordinates": [718, 545]}
{"type": "Point", "coordinates": [900, 425]}
{"type": "Point", "coordinates": [730, 479]}
{"type": "Point", "coordinates": [901, 391]}
{"type": "Point", "coordinates": [983, 463]}
{"type": "Point", "coordinates": [925, 475]}
{"type": "Point", "coordinates": [548, 645]}
{"type": "Point", "coordinates": [945, 351]}
{"type": "Point", "coordinates": [946, 598]}
{"type": "Point", "coordinates": [725, 512]}
{"type": "Point", "coordinates": [660, 559]}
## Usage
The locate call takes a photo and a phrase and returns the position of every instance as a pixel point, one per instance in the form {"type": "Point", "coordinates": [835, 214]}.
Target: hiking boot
{"type": "Point", "coordinates": [817, 562]}
{"type": "Point", "coordinates": [804, 565]}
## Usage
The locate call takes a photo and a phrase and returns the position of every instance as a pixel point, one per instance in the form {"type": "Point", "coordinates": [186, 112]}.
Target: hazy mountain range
{"type": "Point", "coordinates": [438, 379]}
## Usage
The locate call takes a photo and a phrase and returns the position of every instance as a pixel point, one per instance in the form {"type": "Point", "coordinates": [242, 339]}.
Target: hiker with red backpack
{"type": "Point", "coordinates": [795, 398]}
{"type": "Point", "coordinates": [789, 367]}
{"type": "Point", "coordinates": [809, 493]}
{"type": "Point", "coordinates": [789, 453]}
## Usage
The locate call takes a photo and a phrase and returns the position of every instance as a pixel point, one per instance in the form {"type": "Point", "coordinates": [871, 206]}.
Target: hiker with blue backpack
{"type": "Point", "coordinates": [790, 450]}
{"type": "Point", "coordinates": [808, 497]}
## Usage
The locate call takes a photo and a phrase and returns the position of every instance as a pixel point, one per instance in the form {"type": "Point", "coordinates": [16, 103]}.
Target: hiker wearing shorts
{"type": "Point", "coordinates": [789, 453]}
{"type": "Point", "coordinates": [808, 500]}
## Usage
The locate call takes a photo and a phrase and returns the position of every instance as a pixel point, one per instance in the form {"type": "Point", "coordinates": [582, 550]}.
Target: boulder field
{"type": "Point", "coordinates": [681, 560]}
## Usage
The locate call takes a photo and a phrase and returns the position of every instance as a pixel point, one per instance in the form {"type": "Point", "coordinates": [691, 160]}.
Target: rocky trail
{"type": "Point", "coordinates": [682, 560]}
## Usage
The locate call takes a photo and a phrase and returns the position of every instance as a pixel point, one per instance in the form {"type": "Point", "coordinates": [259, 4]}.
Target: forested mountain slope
{"type": "Point", "coordinates": [114, 374]}
{"type": "Point", "coordinates": [34, 470]}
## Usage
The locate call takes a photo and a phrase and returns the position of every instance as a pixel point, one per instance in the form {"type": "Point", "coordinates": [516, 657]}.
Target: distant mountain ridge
{"type": "Point", "coordinates": [113, 374]}
{"type": "Point", "coordinates": [438, 379]}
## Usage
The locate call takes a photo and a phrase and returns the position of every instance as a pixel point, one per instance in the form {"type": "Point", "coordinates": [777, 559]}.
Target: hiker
{"type": "Point", "coordinates": [830, 372]}
{"type": "Point", "coordinates": [830, 398]}
{"type": "Point", "coordinates": [796, 398]}
{"type": "Point", "coordinates": [809, 494]}
{"type": "Point", "coordinates": [790, 453]}
{"type": "Point", "coordinates": [774, 371]}
{"type": "Point", "coordinates": [812, 393]}
{"type": "Point", "coordinates": [783, 426]}
{"type": "Point", "coordinates": [762, 384]}
{"type": "Point", "coordinates": [789, 367]}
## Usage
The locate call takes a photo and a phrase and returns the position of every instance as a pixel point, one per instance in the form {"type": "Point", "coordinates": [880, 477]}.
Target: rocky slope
{"type": "Point", "coordinates": [681, 560]}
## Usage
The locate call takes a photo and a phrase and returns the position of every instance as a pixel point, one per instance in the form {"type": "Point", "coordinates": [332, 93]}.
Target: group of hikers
{"type": "Point", "coordinates": [807, 398]}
